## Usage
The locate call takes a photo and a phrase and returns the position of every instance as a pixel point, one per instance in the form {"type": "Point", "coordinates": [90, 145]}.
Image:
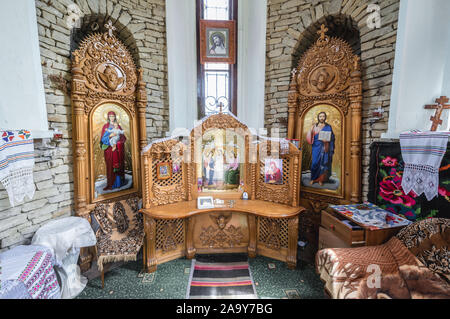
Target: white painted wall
{"type": "Point", "coordinates": [446, 88]}
{"type": "Point", "coordinates": [182, 62]}
{"type": "Point", "coordinates": [22, 96]}
{"type": "Point", "coordinates": [252, 24]}
{"type": "Point", "coordinates": [423, 40]}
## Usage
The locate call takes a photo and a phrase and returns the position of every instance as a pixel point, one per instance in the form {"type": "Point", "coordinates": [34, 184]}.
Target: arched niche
{"type": "Point", "coordinates": [108, 103]}
{"type": "Point", "coordinates": [325, 101]}
{"type": "Point", "coordinates": [339, 26]}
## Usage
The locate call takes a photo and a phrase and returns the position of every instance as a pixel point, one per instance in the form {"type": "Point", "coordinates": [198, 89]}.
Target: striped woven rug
{"type": "Point", "coordinates": [222, 276]}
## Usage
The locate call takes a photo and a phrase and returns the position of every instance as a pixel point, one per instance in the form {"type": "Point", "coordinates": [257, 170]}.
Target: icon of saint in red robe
{"type": "Point", "coordinates": [113, 145]}
{"type": "Point", "coordinates": [273, 173]}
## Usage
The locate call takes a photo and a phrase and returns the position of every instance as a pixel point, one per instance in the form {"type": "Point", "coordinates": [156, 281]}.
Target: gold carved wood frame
{"type": "Point", "coordinates": [328, 76]}
{"type": "Point", "coordinates": [287, 192]}
{"type": "Point", "coordinates": [227, 123]}
{"type": "Point", "coordinates": [105, 76]}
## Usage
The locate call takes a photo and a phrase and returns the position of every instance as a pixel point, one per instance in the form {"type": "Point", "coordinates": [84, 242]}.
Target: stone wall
{"type": "Point", "coordinates": [291, 29]}
{"type": "Point", "coordinates": [141, 26]}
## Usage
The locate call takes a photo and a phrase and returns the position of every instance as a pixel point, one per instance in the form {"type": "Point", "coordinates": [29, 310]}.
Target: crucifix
{"type": "Point", "coordinates": [440, 107]}
{"type": "Point", "coordinates": [322, 31]}
{"type": "Point", "coordinates": [110, 28]}
{"type": "Point", "coordinates": [294, 73]}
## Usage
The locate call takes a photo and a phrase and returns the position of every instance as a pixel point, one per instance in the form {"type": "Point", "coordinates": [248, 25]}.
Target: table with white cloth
{"type": "Point", "coordinates": [65, 237]}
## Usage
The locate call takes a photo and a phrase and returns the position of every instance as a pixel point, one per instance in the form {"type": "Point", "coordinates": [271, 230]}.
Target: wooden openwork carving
{"type": "Point", "coordinates": [106, 88]}
{"type": "Point", "coordinates": [325, 101]}
{"type": "Point", "coordinates": [168, 191]}
{"type": "Point", "coordinates": [172, 234]}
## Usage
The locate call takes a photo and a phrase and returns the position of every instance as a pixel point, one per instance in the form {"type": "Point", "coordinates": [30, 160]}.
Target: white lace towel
{"type": "Point", "coordinates": [422, 153]}
{"type": "Point", "coordinates": [16, 164]}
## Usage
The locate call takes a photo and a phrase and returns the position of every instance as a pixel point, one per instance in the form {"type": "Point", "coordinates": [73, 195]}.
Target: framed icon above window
{"type": "Point", "coordinates": [217, 41]}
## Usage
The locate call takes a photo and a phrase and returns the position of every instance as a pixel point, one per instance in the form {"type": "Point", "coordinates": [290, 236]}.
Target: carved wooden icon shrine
{"type": "Point", "coordinates": [266, 224]}
{"type": "Point", "coordinates": [108, 99]}
{"type": "Point", "coordinates": [105, 79]}
{"type": "Point", "coordinates": [327, 80]}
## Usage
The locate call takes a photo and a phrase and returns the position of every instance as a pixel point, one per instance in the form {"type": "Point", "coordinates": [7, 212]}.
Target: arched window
{"type": "Point", "coordinates": [217, 82]}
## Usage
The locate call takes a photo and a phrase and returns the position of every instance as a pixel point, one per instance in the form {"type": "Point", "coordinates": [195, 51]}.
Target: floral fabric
{"type": "Point", "coordinates": [385, 185]}
{"type": "Point", "coordinates": [414, 264]}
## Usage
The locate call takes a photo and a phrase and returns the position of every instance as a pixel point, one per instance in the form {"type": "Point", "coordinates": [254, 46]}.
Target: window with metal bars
{"type": "Point", "coordinates": [217, 82]}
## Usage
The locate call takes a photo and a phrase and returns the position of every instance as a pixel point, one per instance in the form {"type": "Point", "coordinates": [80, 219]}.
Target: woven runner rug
{"type": "Point", "coordinates": [221, 276]}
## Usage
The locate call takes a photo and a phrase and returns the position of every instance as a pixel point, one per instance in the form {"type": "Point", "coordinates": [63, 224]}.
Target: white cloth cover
{"type": "Point", "coordinates": [16, 164]}
{"type": "Point", "coordinates": [422, 153]}
{"type": "Point", "coordinates": [65, 237]}
{"type": "Point", "coordinates": [72, 282]}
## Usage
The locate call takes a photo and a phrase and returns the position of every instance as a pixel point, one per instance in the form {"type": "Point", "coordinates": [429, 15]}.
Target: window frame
{"type": "Point", "coordinates": [201, 70]}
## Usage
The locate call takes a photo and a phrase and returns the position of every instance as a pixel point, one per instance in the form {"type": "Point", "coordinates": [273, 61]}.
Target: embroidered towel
{"type": "Point", "coordinates": [30, 267]}
{"type": "Point", "coordinates": [422, 153]}
{"type": "Point", "coordinates": [16, 164]}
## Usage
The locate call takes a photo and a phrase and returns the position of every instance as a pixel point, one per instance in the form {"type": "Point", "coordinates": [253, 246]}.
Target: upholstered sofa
{"type": "Point", "coordinates": [414, 264]}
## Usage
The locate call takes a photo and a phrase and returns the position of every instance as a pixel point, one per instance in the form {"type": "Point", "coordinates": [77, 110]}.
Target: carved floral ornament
{"type": "Point", "coordinates": [168, 147]}
{"type": "Point", "coordinates": [221, 236]}
{"type": "Point", "coordinates": [106, 64]}
{"type": "Point", "coordinates": [325, 67]}
{"type": "Point", "coordinates": [218, 121]}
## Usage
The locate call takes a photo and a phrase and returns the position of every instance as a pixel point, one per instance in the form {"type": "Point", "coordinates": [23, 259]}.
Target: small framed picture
{"type": "Point", "coordinates": [217, 41]}
{"type": "Point", "coordinates": [164, 170]}
{"type": "Point", "coordinates": [205, 202]}
{"type": "Point", "coordinates": [284, 147]}
{"type": "Point", "coordinates": [273, 171]}
{"type": "Point", "coordinates": [176, 168]}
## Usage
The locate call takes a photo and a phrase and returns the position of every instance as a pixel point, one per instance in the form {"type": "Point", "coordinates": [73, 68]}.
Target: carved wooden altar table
{"type": "Point", "coordinates": [272, 230]}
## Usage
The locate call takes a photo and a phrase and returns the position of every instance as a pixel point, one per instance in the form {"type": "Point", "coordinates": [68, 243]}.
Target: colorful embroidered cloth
{"type": "Point", "coordinates": [385, 190]}
{"type": "Point", "coordinates": [371, 215]}
{"type": "Point", "coordinates": [32, 267]}
{"type": "Point", "coordinates": [16, 164]}
{"type": "Point", "coordinates": [422, 153]}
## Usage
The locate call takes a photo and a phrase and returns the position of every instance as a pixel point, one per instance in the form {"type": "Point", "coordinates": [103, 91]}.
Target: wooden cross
{"type": "Point", "coordinates": [110, 28]}
{"type": "Point", "coordinates": [322, 31]}
{"type": "Point", "coordinates": [440, 107]}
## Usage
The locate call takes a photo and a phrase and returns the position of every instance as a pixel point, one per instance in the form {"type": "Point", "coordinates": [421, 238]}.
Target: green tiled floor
{"type": "Point", "coordinates": [272, 280]}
